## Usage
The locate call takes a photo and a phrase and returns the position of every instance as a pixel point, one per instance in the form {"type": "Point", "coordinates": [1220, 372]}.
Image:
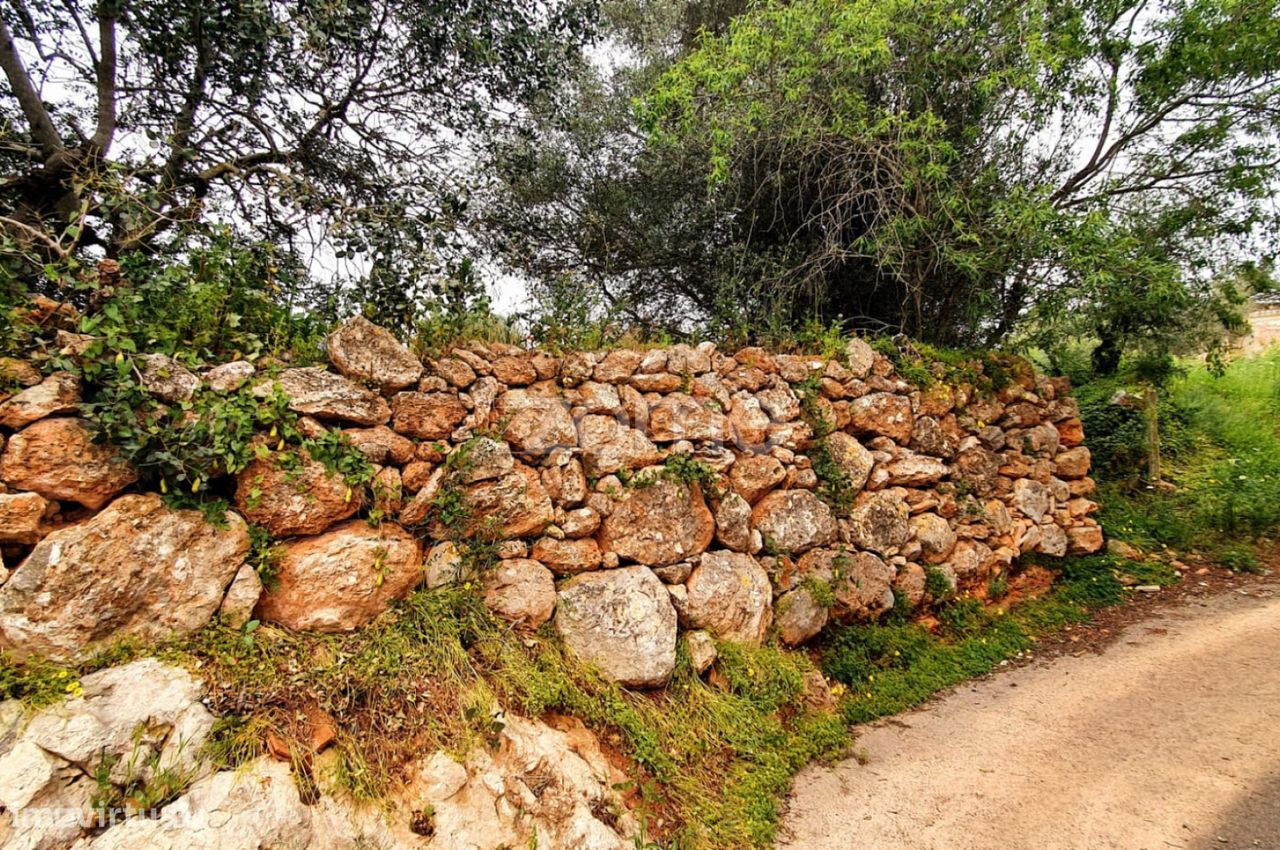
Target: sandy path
{"type": "Point", "coordinates": [1170, 738]}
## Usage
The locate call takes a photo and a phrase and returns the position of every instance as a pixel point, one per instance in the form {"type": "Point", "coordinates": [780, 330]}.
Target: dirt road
{"type": "Point", "coordinates": [1168, 739]}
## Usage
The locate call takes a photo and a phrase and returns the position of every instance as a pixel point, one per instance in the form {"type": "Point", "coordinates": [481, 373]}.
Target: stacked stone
{"type": "Point", "coordinates": [564, 462]}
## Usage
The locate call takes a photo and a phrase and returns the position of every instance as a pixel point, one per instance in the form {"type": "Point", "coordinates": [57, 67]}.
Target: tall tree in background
{"type": "Point", "coordinates": [961, 171]}
{"type": "Point", "coordinates": [312, 125]}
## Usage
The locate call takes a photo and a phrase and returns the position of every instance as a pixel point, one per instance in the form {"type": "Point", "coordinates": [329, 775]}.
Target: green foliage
{"type": "Point", "coordinates": [893, 666]}
{"type": "Point", "coordinates": [265, 552]}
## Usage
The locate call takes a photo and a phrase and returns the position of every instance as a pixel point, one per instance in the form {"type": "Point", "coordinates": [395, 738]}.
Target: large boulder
{"type": "Point", "coordinates": [522, 591]}
{"type": "Point", "coordinates": [342, 579]}
{"type": "Point", "coordinates": [799, 615]}
{"type": "Point", "coordinates": [883, 414]}
{"type": "Point", "coordinates": [621, 621]}
{"type": "Point", "coordinates": [658, 524]}
{"type": "Point", "coordinates": [935, 535]}
{"type": "Point", "coordinates": [514, 504]}
{"type": "Point", "coordinates": [793, 521]}
{"type": "Point", "coordinates": [256, 805]}
{"type": "Point", "coordinates": [852, 458]}
{"type": "Point", "coordinates": [682, 417]}
{"type": "Point", "coordinates": [730, 596]}
{"type": "Point", "coordinates": [880, 523]}
{"type": "Point", "coordinates": [754, 475]}
{"type": "Point", "coordinates": [58, 459]}
{"type": "Point", "coordinates": [290, 499]}
{"type": "Point", "coordinates": [371, 354]}
{"type": "Point", "coordinates": [609, 445]}
{"type": "Point", "coordinates": [863, 586]}
{"type": "Point", "coordinates": [317, 392]}
{"type": "Point", "coordinates": [137, 568]}
{"type": "Point", "coordinates": [427, 416]}
{"type": "Point", "coordinates": [58, 393]}
{"type": "Point", "coordinates": [534, 424]}
{"type": "Point", "coordinates": [167, 379]}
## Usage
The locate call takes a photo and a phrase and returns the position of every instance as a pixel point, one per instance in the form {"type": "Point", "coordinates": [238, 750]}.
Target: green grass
{"type": "Point", "coordinates": [1220, 446]}
{"type": "Point", "coordinates": [889, 667]}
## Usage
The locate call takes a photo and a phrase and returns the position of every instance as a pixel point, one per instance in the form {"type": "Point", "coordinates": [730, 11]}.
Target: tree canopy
{"type": "Point", "coordinates": [327, 127]}
{"type": "Point", "coordinates": [960, 171]}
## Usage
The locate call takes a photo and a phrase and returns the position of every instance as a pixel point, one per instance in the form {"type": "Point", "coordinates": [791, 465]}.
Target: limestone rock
{"type": "Point", "coordinates": [793, 521]}
{"type": "Point", "coordinates": [1073, 463]}
{"type": "Point", "coordinates": [381, 445]}
{"type": "Point", "coordinates": [137, 568]}
{"type": "Point", "coordinates": [241, 597]}
{"type": "Point", "coordinates": [514, 504]}
{"type": "Point", "coordinates": [514, 371]}
{"type": "Point", "coordinates": [660, 524]}
{"type": "Point", "coordinates": [370, 354]}
{"type": "Point", "coordinates": [912, 470]}
{"type": "Point", "coordinates": [879, 523]}
{"type": "Point", "coordinates": [682, 417]}
{"type": "Point", "coordinates": [729, 595]}
{"type": "Point", "coordinates": [749, 421]}
{"type": "Point", "coordinates": [568, 557]}
{"type": "Point", "coordinates": [1031, 498]}
{"type": "Point", "coordinates": [617, 366]}
{"type": "Point", "coordinates": [58, 393]}
{"type": "Point", "coordinates": [342, 579]}
{"type": "Point", "coordinates": [534, 425]}
{"type": "Point", "coordinates": [609, 446]}
{"type": "Point", "coordinates": [851, 457]}
{"type": "Point", "coordinates": [486, 459]}
{"type": "Point", "coordinates": [444, 566]}
{"type": "Point", "coordinates": [255, 806]}
{"type": "Point", "coordinates": [58, 459]}
{"type": "Point", "coordinates": [883, 414]}
{"type": "Point", "coordinates": [622, 621]}
{"type": "Point", "coordinates": [936, 537]}
{"type": "Point", "coordinates": [702, 650]}
{"type": "Point", "coordinates": [537, 786]}
{"type": "Point", "coordinates": [863, 587]}
{"type": "Point", "coordinates": [860, 357]}
{"type": "Point", "coordinates": [1084, 539]}
{"type": "Point", "coordinates": [167, 379]}
{"type": "Point", "coordinates": [324, 395]}
{"type": "Point", "coordinates": [799, 616]}
{"type": "Point", "coordinates": [22, 517]}
{"type": "Point", "coordinates": [229, 377]}
{"type": "Point", "coordinates": [733, 523]}
{"type": "Point", "coordinates": [288, 501]}
{"type": "Point", "coordinates": [755, 475]}
{"type": "Point", "coordinates": [427, 416]}
{"type": "Point", "coordinates": [521, 590]}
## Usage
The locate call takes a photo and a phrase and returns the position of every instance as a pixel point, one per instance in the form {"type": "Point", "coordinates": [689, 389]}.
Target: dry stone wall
{"type": "Point", "coordinates": [626, 495]}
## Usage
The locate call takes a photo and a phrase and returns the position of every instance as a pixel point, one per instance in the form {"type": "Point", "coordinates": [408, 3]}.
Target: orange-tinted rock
{"type": "Point", "coordinates": [522, 591]}
{"type": "Point", "coordinates": [58, 459]}
{"type": "Point", "coordinates": [288, 500]}
{"type": "Point", "coordinates": [884, 414]}
{"type": "Point", "coordinates": [683, 417]}
{"type": "Point", "coordinates": [427, 416]}
{"type": "Point", "coordinates": [58, 393]}
{"type": "Point", "coordinates": [22, 517]}
{"type": "Point", "coordinates": [659, 524]}
{"type": "Point", "coordinates": [793, 521]}
{"type": "Point", "coordinates": [533, 424]}
{"type": "Point", "coordinates": [320, 393]}
{"type": "Point", "coordinates": [136, 569]}
{"type": "Point", "coordinates": [608, 446]}
{"type": "Point", "coordinates": [342, 579]}
{"type": "Point", "coordinates": [755, 475]}
{"type": "Point", "coordinates": [517, 371]}
{"type": "Point", "coordinates": [371, 354]}
{"type": "Point", "coordinates": [1073, 463]}
{"type": "Point", "coordinates": [567, 557]}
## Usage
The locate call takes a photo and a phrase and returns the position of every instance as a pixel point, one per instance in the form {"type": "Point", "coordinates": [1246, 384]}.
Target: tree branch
{"type": "Point", "coordinates": [106, 74]}
{"type": "Point", "coordinates": [41, 125]}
